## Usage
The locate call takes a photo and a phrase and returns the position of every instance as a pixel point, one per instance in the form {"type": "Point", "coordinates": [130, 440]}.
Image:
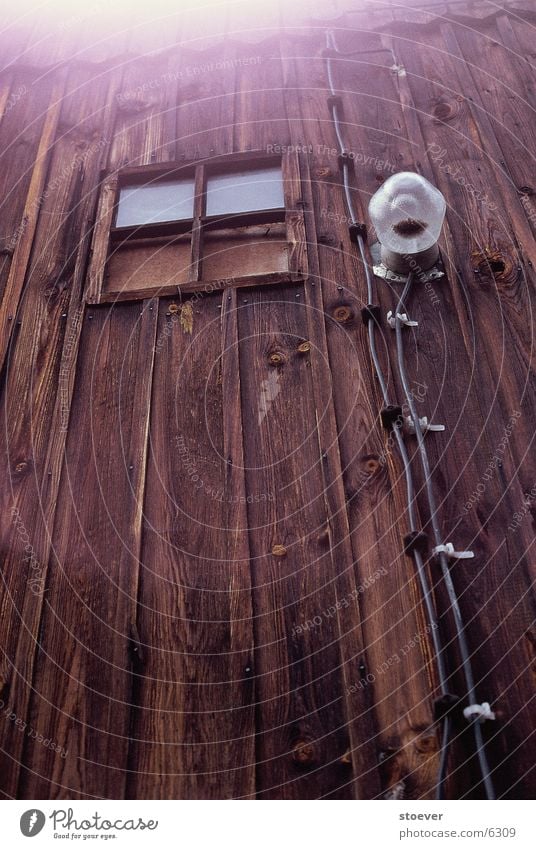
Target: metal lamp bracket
{"type": "Point", "coordinates": [381, 270]}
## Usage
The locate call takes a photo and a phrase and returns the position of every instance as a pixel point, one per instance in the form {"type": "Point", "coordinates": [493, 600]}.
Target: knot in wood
{"type": "Point", "coordinates": [426, 743]}
{"type": "Point", "coordinates": [346, 759]}
{"type": "Point", "coordinates": [323, 537]}
{"type": "Point", "coordinates": [493, 264]}
{"type": "Point", "coordinates": [276, 358]}
{"type": "Point", "coordinates": [304, 347]}
{"type": "Point", "coordinates": [303, 753]}
{"type": "Point", "coordinates": [371, 464]}
{"type": "Point", "coordinates": [446, 110]}
{"type": "Point", "coordinates": [279, 551]}
{"type": "Point", "coordinates": [327, 239]}
{"type": "Point", "coordinates": [322, 173]}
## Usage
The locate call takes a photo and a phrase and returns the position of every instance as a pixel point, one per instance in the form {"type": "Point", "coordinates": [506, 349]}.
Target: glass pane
{"type": "Point", "coordinates": [245, 191]}
{"type": "Point", "coordinates": [170, 200]}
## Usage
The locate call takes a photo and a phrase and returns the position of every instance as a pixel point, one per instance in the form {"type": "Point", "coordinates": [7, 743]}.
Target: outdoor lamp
{"type": "Point", "coordinates": [407, 213]}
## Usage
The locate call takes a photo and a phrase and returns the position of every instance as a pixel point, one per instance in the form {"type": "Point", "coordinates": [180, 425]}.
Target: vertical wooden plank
{"type": "Point", "coordinates": [193, 732]}
{"type": "Point", "coordinates": [20, 132]}
{"type": "Point", "coordinates": [82, 684]}
{"type": "Point", "coordinates": [21, 253]}
{"type": "Point", "coordinates": [516, 34]}
{"type": "Point", "coordinates": [298, 262]}
{"type": "Point", "coordinates": [302, 735]}
{"type": "Point", "coordinates": [143, 132]}
{"type": "Point", "coordinates": [206, 95]}
{"type": "Point", "coordinates": [36, 402]}
{"type": "Point", "coordinates": [259, 108]}
{"type": "Point", "coordinates": [237, 540]}
{"type": "Point", "coordinates": [502, 109]}
{"type": "Point", "coordinates": [196, 250]}
{"type": "Point", "coordinates": [5, 88]}
{"type": "Point", "coordinates": [101, 240]}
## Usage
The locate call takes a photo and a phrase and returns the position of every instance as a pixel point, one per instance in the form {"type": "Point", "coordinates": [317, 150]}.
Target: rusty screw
{"type": "Point", "coordinates": [342, 314]}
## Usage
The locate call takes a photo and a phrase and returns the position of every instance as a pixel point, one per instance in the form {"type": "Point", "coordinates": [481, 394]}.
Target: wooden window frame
{"type": "Point", "coordinates": [106, 236]}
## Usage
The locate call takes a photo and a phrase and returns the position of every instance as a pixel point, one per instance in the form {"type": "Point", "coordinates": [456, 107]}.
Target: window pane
{"type": "Point", "coordinates": [245, 191]}
{"type": "Point", "coordinates": [162, 201]}
{"type": "Point", "coordinates": [240, 251]}
{"type": "Point", "coordinates": [149, 264]}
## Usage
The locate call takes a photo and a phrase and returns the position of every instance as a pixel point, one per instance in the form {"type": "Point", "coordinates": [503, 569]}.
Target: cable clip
{"type": "Point", "coordinates": [391, 416]}
{"type": "Point", "coordinates": [416, 541]}
{"type": "Point", "coordinates": [346, 158]}
{"type": "Point", "coordinates": [448, 549]}
{"type": "Point", "coordinates": [371, 312]}
{"type": "Point", "coordinates": [479, 712]}
{"type": "Point", "coordinates": [445, 704]}
{"type": "Point", "coordinates": [334, 100]}
{"type": "Point", "coordinates": [391, 320]}
{"type": "Point", "coordinates": [357, 231]}
{"type": "Point", "coordinates": [425, 426]}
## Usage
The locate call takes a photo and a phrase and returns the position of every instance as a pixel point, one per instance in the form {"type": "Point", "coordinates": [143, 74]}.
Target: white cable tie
{"type": "Point", "coordinates": [448, 549]}
{"type": "Point", "coordinates": [480, 712]}
{"type": "Point", "coordinates": [425, 425]}
{"type": "Point", "coordinates": [391, 320]}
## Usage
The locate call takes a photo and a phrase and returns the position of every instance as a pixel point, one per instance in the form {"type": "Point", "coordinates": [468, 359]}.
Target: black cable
{"type": "Point", "coordinates": [410, 490]}
{"type": "Point", "coordinates": [445, 571]}
{"type": "Point", "coordinates": [417, 557]}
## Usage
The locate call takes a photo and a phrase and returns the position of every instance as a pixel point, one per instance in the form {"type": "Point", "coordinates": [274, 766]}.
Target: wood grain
{"type": "Point", "coordinates": [207, 638]}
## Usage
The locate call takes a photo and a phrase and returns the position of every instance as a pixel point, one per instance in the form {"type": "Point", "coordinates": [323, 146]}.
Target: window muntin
{"type": "Point", "coordinates": [165, 200]}
{"type": "Point", "coordinates": [254, 189]}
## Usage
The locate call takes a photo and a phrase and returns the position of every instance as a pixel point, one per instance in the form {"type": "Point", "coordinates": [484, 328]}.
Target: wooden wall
{"type": "Point", "coordinates": [153, 644]}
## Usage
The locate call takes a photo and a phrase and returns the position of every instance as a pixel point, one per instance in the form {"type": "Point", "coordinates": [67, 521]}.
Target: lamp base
{"type": "Point", "coordinates": [404, 263]}
{"type": "Point", "coordinates": [435, 272]}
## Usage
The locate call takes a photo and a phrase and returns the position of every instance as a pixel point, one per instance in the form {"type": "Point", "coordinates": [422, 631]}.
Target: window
{"type": "Point", "coordinates": [237, 220]}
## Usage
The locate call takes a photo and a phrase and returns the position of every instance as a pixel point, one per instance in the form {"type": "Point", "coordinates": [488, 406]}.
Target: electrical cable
{"type": "Point", "coordinates": [436, 531]}
{"type": "Point", "coordinates": [410, 492]}
{"type": "Point", "coordinates": [417, 557]}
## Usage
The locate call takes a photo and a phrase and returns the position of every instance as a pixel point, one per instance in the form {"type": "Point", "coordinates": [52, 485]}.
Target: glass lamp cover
{"type": "Point", "coordinates": [407, 213]}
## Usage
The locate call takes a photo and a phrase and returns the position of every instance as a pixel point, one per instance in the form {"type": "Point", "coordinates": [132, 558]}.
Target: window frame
{"type": "Point", "coordinates": [107, 237]}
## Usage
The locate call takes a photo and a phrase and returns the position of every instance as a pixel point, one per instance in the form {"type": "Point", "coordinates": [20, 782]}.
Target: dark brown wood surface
{"type": "Point", "coordinates": [201, 519]}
